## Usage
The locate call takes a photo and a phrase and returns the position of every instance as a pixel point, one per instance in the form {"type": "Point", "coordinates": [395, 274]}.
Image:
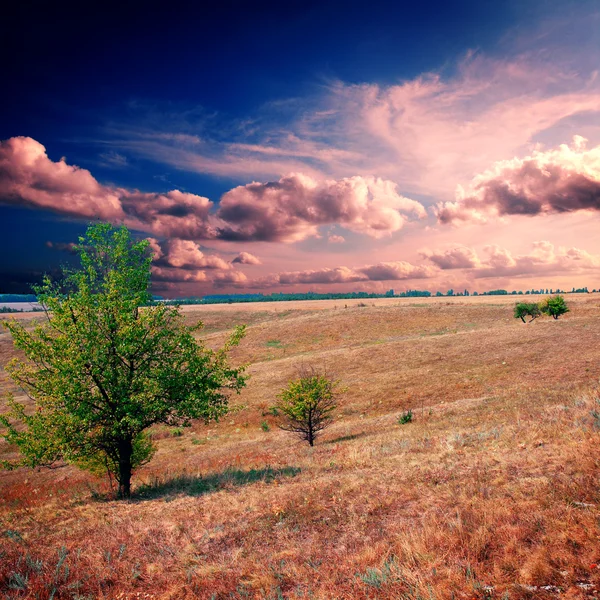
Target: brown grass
{"type": "Point", "coordinates": [492, 491]}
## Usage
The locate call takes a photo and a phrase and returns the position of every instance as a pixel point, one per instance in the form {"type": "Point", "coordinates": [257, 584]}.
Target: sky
{"type": "Point", "coordinates": [295, 146]}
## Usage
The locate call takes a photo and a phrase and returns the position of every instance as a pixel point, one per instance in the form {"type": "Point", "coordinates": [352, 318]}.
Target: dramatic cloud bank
{"type": "Point", "coordinates": [292, 208]}
{"type": "Point", "coordinates": [287, 210]}
{"type": "Point", "coordinates": [544, 259]}
{"type": "Point", "coordinates": [385, 271]}
{"type": "Point", "coordinates": [555, 181]}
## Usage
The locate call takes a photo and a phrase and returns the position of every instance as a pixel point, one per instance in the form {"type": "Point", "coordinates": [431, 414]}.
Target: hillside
{"type": "Point", "coordinates": [491, 491]}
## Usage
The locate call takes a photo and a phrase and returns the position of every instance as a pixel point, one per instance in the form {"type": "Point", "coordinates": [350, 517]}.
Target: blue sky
{"type": "Point", "coordinates": [342, 145]}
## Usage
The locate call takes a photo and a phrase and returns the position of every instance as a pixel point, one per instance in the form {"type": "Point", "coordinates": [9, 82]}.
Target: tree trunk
{"type": "Point", "coordinates": [125, 454]}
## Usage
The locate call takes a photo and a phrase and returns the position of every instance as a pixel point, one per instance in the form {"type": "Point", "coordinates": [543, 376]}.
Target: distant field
{"type": "Point", "coordinates": [492, 491]}
{"type": "Point", "coordinates": [24, 306]}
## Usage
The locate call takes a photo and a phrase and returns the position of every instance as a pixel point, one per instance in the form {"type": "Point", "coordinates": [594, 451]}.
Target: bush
{"type": "Point", "coordinates": [405, 417]}
{"type": "Point", "coordinates": [527, 309]}
{"type": "Point", "coordinates": [307, 404]}
{"type": "Point", "coordinates": [554, 306]}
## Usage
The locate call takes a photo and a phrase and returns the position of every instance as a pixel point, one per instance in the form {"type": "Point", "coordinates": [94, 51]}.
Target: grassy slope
{"type": "Point", "coordinates": [494, 485]}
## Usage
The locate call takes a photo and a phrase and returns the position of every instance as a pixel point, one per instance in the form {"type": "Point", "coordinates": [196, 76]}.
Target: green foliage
{"type": "Point", "coordinates": [102, 369]}
{"type": "Point", "coordinates": [273, 343]}
{"type": "Point", "coordinates": [265, 426]}
{"type": "Point", "coordinates": [527, 309]}
{"type": "Point", "coordinates": [554, 306]}
{"type": "Point", "coordinates": [307, 404]}
{"type": "Point", "coordinates": [405, 417]}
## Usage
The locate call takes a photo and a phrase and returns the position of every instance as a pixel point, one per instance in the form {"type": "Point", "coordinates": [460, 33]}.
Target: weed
{"type": "Point", "coordinates": [378, 577]}
{"type": "Point", "coordinates": [596, 414]}
{"type": "Point", "coordinates": [405, 417]}
{"type": "Point", "coordinates": [265, 426]}
{"type": "Point", "coordinates": [274, 344]}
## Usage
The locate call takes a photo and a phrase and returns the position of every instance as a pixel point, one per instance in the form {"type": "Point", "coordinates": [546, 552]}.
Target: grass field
{"type": "Point", "coordinates": [491, 492]}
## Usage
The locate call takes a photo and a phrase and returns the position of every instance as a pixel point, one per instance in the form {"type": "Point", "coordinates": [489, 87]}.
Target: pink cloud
{"type": "Point", "coordinates": [185, 254]}
{"type": "Point", "coordinates": [385, 271]}
{"type": "Point", "coordinates": [171, 214]}
{"type": "Point", "coordinates": [563, 180]}
{"type": "Point", "coordinates": [543, 259]}
{"type": "Point", "coordinates": [293, 208]}
{"type": "Point", "coordinates": [173, 275]}
{"type": "Point", "coordinates": [427, 134]}
{"type": "Point", "coordinates": [335, 239]}
{"type": "Point", "coordinates": [458, 257]}
{"type": "Point", "coordinates": [233, 279]}
{"type": "Point", "coordinates": [396, 271]}
{"type": "Point", "coordinates": [28, 177]}
{"type": "Point", "coordinates": [287, 210]}
{"type": "Point", "coordinates": [245, 258]}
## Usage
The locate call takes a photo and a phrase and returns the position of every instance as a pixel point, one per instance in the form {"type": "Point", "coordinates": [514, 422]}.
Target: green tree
{"type": "Point", "coordinates": [105, 365]}
{"type": "Point", "coordinates": [527, 309]}
{"type": "Point", "coordinates": [554, 306]}
{"type": "Point", "coordinates": [307, 404]}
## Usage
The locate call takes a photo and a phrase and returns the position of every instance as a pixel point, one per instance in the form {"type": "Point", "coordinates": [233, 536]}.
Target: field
{"type": "Point", "coordinates": [492, 491]}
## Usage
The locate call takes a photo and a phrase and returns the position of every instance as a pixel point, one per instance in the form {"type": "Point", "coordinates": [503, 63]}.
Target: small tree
{"type": "Point", "coordinates": [554, 306]}
{"type": "Point", "coordinates": [104, 366]}
{"type": "Point", "coordinates": [527, 309]}
{"type": "Point", "coordinates": [307, 404]}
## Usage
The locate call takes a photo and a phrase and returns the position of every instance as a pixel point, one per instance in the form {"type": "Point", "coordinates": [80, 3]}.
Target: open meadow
{"type": "Point", "coordinates": [492, 491]}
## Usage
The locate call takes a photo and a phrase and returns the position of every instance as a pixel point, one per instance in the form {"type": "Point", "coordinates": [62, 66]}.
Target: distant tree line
{"type": "Point", "coordinates": [282, 297]}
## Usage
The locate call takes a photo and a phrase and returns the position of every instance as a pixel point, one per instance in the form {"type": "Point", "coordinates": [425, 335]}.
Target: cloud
{"type": "Point", "coordinates": [62, 246]}
{"type": "Point", "coordinates": [293, 208]}
{"type": "Point", "coordinates": [562, 180]}
{"type": "Point", "coordinates": [235, 279]}
{"type": "Point", "coordinates": [458, 257]}
{"type": "Point", "coordinates": [173, 275]}
{"type": "Point", "coordinates": [335, 239]}
{"type": "Point", "coordinates": [326, 275]}
{"type": "Point", "coordinates": [385, 271]}
{"type": "Point", "coordinates": [396, 271]}
{"type": "Point", "coordinates": [543, 259]}
{"type": "Point", "coordinates": [172, 214]}
{"type": "Point", "coordinates": [245, 258]}
{"type": "Point", "coordinates": [29, 178]}
{"type": "Point", "coordinates": [287, 210]}
{"type": "Point", "coordinates": [185, 254]}
{"type": "Point", "coordinates": [113, 160]}
{"type": "Point", "coordinates": [427, 134]}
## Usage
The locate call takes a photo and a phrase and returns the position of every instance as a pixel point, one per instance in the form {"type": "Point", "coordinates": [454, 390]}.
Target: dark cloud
{"type": "Point", "coordinates": [61, 246]}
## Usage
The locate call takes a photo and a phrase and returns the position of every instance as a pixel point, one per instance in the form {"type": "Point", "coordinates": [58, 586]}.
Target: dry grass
{"type": "Point", "coordinates": [492, 491]}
